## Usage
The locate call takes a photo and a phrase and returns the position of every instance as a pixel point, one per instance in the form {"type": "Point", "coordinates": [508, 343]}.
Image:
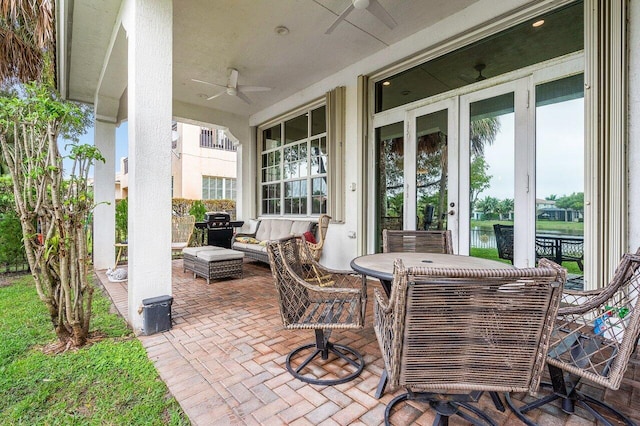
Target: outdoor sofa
{"type": "Point", "coordinates": [252, 238]}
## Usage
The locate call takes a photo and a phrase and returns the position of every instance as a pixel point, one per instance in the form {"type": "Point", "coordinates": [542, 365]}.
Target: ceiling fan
{"type": "Point", "coordinates": [233, 88]}
{"type": "Point", "coordinates": [373, 6]}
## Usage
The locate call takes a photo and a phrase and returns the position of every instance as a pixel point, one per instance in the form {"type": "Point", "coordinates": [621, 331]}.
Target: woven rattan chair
{"type": "Point", "coordinates": [316, 298]}
{"type": "Point", "coordinates": [316, 248]}
{"type": "Point", "coordinates": [447, 335]}
{"type": "Point", "coordinates": [181, 230]}
{"type": "Point", "coordinates": [594, 336]}
{"type": "Point", "coordinates": [417, 241]}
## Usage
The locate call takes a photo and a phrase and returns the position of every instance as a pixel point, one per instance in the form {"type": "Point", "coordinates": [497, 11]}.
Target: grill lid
{"type": "Point", "coordinates": [217, 217]}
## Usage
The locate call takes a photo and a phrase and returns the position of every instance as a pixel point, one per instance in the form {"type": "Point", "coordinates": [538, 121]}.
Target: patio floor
{"type": "Point", "coordinates": [223, 360]}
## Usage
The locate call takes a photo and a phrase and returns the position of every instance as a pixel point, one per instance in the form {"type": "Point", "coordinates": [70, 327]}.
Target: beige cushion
{"type": "Point", "coordinates": [275, 229]}
{"type": "Point", "coordinates": [195, 250]}
{"type": "Point", "coordinates": [249, 227]}
{"type": "Point", "coordinates": [218, 255]}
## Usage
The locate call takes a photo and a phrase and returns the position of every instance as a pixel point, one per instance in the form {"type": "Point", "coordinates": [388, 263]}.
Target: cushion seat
{"type": "Point", "coordinates": [218, 255]}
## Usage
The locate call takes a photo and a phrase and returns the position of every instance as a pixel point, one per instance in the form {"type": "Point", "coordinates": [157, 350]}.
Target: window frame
{"type": "Point", "coordinates": [280, 182]}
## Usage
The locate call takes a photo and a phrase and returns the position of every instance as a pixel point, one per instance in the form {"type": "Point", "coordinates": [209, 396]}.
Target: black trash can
{"type": "Point", "coordinates": [156, 314]}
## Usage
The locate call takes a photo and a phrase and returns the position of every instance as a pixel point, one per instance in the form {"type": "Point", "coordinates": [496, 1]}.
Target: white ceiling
{"type": "Point", "coordinates": [210, 36]}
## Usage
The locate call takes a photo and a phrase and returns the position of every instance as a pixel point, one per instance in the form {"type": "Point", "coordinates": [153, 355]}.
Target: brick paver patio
{"type": "Point", "coordinates": [223, 360]}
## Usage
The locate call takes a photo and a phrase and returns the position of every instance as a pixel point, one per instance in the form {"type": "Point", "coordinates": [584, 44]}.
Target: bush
{"type": "Point", "coordinates": [11, 247]}
{"type": "Point", "coordinates": [122, 220]}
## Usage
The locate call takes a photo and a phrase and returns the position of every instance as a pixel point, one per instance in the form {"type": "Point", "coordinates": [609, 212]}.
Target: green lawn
{"type": "Point", "coordinates": [488, 253]}
{"type": "Point", "coordinates": [109, 382]}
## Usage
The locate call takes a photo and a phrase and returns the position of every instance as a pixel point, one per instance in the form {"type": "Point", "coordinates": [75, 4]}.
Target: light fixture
{"type": "Point", "coordinates": [479, 67]}
{"type": "Point", "coordinates": [386, 83]}
{"type": "Point", "coordinates": [538, 23]}
{"type": "Point", "coordinates": [281, 30]}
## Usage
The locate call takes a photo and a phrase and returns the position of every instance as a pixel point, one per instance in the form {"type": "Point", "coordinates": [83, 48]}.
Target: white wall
{"type": "Point", "coordinates": [340, 249]}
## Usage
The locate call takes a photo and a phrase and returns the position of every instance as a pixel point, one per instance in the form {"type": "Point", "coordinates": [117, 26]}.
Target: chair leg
{"type": "Point", "coordinates": [569, 396]}
{"type": "Point", "coordinates": [382, 384]}
{"type": "Point", "coordinates": [445, 406]}
{"type": "Point", "coordinates": [322, 348]}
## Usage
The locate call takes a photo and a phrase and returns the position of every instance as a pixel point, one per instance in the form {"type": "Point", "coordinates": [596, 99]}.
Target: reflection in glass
{"type": "Point", "coordinates": [431, 170]}
{"type": "Point", "coordinates": [295, 129]}
{"type": "Point", "coordinates": [271, 199]}
{"type": "Point", "coordinates": [491, 171]}
{"type": "Point", "coordinates": [389, 164]}
{"type": "Point", "coordinates": [514, 48]}
{"type": "Point", "coordinates": [295, 197]}
{"type": "Point", "coordinates": [271, 138]}
{"type": "Point", "coordinates": [318, 121]}
{"type": "Point", "coordinates": [560, 172]}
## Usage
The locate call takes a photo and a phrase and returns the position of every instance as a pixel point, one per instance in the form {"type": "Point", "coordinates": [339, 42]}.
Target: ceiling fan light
{"type": "Point", "coordinates": [361, 4]}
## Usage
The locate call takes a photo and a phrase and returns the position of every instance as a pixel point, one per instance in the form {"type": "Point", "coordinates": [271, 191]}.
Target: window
{"type": "Point", "coordinates": [293, 175]}
{"type": "Point", "coordinates": [218, 188]}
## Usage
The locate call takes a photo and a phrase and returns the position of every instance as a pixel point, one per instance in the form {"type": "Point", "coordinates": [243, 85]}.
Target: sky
{"type": "Point", "coordinates": [559, 152]}
{"type": "Point", "coordinates": [87, 138]}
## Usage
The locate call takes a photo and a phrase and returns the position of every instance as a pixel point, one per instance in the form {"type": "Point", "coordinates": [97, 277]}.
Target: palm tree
{"type": "Point", "coordinates": [26, 40]}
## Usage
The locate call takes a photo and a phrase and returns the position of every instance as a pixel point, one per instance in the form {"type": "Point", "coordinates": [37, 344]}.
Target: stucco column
{"type": "Point", "coordinates": [104, 215]}
{"type": "Point", "coordinates": [149, 34]}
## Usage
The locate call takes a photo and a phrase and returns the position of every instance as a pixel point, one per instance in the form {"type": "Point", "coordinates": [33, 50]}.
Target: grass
{"type": "Point", "coordinates": [109, 382]}
{"type": "Point", "coordinates": [491, 253]}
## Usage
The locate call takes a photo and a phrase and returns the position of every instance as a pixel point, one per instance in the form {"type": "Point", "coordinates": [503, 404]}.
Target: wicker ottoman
{"type": "Point", "coordinates": [189, 256]}
{"type": "Point", "coordinates": [214, 262]}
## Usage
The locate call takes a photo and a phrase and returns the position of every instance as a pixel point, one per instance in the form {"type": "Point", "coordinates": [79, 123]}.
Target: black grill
{"type": "Point", "coordinates": [219, 228]}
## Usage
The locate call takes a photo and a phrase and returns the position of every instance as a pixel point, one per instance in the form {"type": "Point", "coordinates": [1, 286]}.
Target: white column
{"type": "Point", "coordinates": [149, 33]}
{"type": "Point", "coordinates": [104, 215]}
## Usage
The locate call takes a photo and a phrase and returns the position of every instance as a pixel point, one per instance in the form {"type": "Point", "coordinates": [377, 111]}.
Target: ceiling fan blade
{"type": "Point", "coordinates": [206, 82]}
{"type": "Point", "coordinates": [253, 88]}
{"type": "Point", "coordinates": [339, 19]}
{"type": "Point", "coordinates": [216, 95]}
{"type": "Point", "coordinates": [233, 78]}
{"type": "Point", "coordinates": [381, 13]}
{"type": "Point", "coordinates": [243, 97]}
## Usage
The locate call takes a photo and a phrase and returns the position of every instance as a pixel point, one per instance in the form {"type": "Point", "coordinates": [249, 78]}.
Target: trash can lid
{"type": "Point", "coordinates": [157, 299]}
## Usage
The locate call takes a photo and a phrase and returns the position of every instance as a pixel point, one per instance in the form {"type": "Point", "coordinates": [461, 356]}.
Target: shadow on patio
{"type": "Point", "coordinates": [223, 360]}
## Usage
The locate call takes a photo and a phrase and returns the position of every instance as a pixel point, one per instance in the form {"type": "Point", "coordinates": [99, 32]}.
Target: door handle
{"type": "Point", "coordinates": [452, 212]}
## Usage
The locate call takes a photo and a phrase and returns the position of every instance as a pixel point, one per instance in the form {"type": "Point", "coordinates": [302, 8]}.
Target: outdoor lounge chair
{"type": "Point", "coordinates": [593, 338]}
{"type": "Point", "coordinates": [316, 298]}
{"type": "Point", "coordinates": [181, 230]}
{"type": "Point", "coordinates": [446, 335]}
{"type": "Point", "coordinates": [417, 241]}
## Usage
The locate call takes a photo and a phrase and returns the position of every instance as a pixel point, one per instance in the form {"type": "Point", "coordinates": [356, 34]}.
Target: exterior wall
{"type": "Point", "coordinates": [340, 246]}
{"type": "Point", "coordinates": [189, 162]}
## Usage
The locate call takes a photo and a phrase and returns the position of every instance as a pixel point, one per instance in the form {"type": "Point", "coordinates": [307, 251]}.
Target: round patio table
{"type": "Point", "coordinates": [380, 265]}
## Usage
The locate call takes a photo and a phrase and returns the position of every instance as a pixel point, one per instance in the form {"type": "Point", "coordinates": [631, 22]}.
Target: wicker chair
{"type": "Point", "coordinates": [417, 241]}
{"type": "Point", "coordinates": [504, 241]}
{"type": "Point", "coordinates": [181, 230]}
{"type": "Point", "coordinates": [594, 335]}
{"type": "Point", "coordinates": [314, 297]}
{"type": "Point", "coordinates": [316, 248]}
{"type": "Point", "coordinates": [447, 335]}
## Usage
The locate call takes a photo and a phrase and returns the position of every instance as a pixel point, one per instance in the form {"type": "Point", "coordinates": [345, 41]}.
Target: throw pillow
{"type": "Point", "coordinates": [308, 236]}
{"type": "Point", "coordinates": [247, 240]}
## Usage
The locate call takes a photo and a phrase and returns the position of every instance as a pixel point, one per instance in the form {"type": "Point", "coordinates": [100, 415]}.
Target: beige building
{"type": "Point", "coordinates": [203, 165]}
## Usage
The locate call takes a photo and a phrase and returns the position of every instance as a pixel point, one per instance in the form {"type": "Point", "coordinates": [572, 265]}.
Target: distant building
{"type": "Point", "coordinates": [203, 165]}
